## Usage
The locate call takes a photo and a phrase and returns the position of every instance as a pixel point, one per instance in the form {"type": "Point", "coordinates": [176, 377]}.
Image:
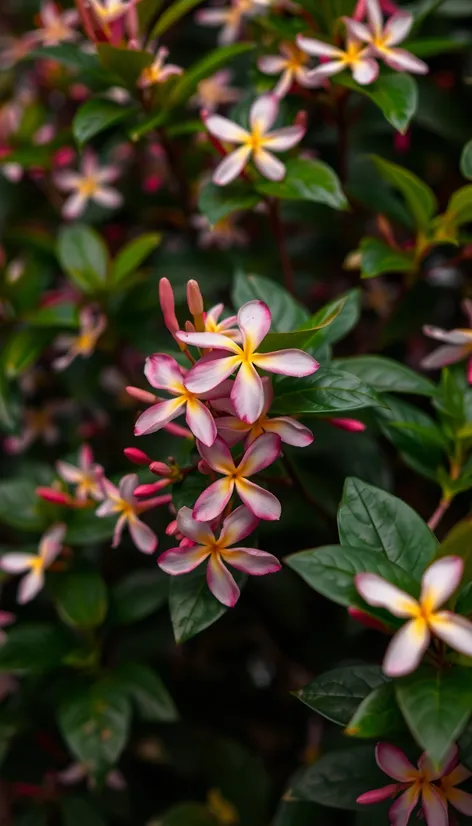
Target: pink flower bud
{"type": "Point", "coordinates": [187, 543]}
{"type": "Point", "coordinates": [139, 457]}
{"type": "Point", "coordinates": [203, 467]}
{"type": "Point", "coordinates": [166, 298]}
{"type": "Point", "coordinates": [160, 469]}
{"type": "Point", "coordinates": [194, 298]}
{"type": "Point", "coordinates": [353, 425]}
{"type": "Point", "coordinates": [63, 157]}
{"type": "Point", "coordinates": [178, 430]}
{"type": "Point", "coordinates": [153, 487]}
{"type": "Point", "coordinates": [141, 395]}
{"type": "Point", "coordinates": [155, 502]}
{"type": "Point", "coordinates": [365, 619]}
{"type": "Point", "coordinates": [52, 495]}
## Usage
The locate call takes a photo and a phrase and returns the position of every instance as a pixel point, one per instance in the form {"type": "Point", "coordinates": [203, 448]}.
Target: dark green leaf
{"type": "Point", "coordinates": [384, 374]}
{"type": "Point", "coordinates": [432, 46]}
{"type": "Point", "coordinates": [287, 314]}
{"type": "Point", "coordinates": [464, 602]}
{"type": "Point", "coordinates": [415, 434]}
{"type": "Point", "coordinates": [338, 778]}
{"type": "Point", "coordinates": [210, 63]}
{"type": "Point", "coordinates": [346, 311]}
{"type": "Point", "coordinates": [419, 198]}
{"type": "Point", "coordinates": [436, 705]}
{"type": "Point", "coordinates": [23, 349]}
{"type": "Point", "coordinates": [19, 505]}
{"type": "Point", "coordinates": [371, 518]}
{"type": "Point", "coordinates": [81, 599]}
{"type": "Point", "coordinates": [127, 64]}
{"type": "Point", "coordinates": [466, 160]}
{"type": "Point", "coordinates": [58, 315]}
{"type": "Point", "coordinates": [68, 55]}
{"type": "Point", "coordinates": [378, 715]}
{"type": "Point", "coordinates": [338, 693]}
{"type": "Point", "coordinates": [84, 527]}
{"type": "Point", "coordinates": [325, 392]}
{"type": "Point", "coordinates": [192, 605]}
{"type": "Point", "coordinates": [132, 255]}
{"type": "Point", "coordinates": [395, 94]}
{"type": "Point", "coordinates": [377, 258]}
{"type": "Point", "coordinates": [146, 689]}
{"type": "Point", "coordinates": [138, 595]}
{"type": "Point", "coordinates": [33, 648]}
{"type": "Point", "coordinates": [96, 115]}
{"type": "Point", "coordinates": [307, 180]}
{"type": "Point", "coordinates": [84, 256]}
{"type": "Point", "coordinates": [459, 208]}
{"type": "Point", "coordinates": [80, 811]}
{"type": "Point", "coordinates": [217, 202]}
{"type": "Point", "coordinates": [186, 493]}
{"type": "Point", "coordinates": [176, 10]}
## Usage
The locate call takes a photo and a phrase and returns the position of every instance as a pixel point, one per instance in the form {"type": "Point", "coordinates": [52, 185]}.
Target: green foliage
{"type": "Point", "coordinates": [337, 694]}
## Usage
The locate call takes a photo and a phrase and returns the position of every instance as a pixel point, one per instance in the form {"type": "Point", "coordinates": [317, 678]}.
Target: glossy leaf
{"type": "Point", "coordinates": [419, 198]}
{"type": "Point", "coordinates": [346, 311]}
{"type": "Point", "coordinates": [20, 506]}
{"type": "Point", "coordinates": [377, 258]}
{"type": "Point", "coordinates": [338, 778]}
{"type": "Point", "coordinates": [459, 208]}
{"type": "Point", "coordinates": [287, 313]}
{"type": "Point", "coordinates": [192, 605]}
{"type": "Point", "coordinates": [23, 349]}
{"type": "Point", "coordinates": [307, 180]}
{"type": "Point", "coordinates": [466, 160]}
{"type": "Point", "coordinates": [378, 715]}
{"type": "Point", "coordinates": [415, 434]}
{"type": "Point", "coordinates": [172, 14]}
{"type": "Point", "coordinates": [217, 202]}
{"type": "Point", "coordinates": [324, 393]}
{"type": "Point", "coordinates": [96, 115]}
{"type": "Point", "coordinates": [385, 374]}
{"type": "Point", "coordinates": [84, 256]}
{"type": "Point", "coordinates": [81, 599]}
{"type": "Point", "coordinates": [147, 691]}
{"type": "Point", "coordinates": [338, 693]}
{"type": "Point", "coordinates": [32, 648]}
{"type": "Point", "coordinates": [58, 315]}
{"type": "Point", "coordinates": [395, 94]}
{"type": "Point", "coordinates": [126, 64]}
{"type": "Point", "coordinates": [132, 256]}
{"type": "Point", "coordinates": [138, 595]}
{"type": "Point", "coordinates": [372, 518]}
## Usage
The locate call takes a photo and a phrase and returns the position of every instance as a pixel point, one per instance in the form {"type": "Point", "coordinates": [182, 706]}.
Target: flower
{"type": "Point", "coordinates": [224, 234]}
{"type": "Point", "coordinates": [458, 345]}
{"type": "Point", "coordinates": [382, 40]}
{"type": "Point", "coordinates": [237, 526]}
{"type": "Point", "coordinates": [259, 455]}
{"type": "Point", "coordinates": [76, 772]}
{"type": "Point", "coordinates": [254, 143]}
{"type": "Point", "coordinates": [214, 91]}
{"type": "Point", "coordinates": [292, 64]}
{"type": "Point", "coordinates": [416, 783]}
{"type": "Point", "coordinates": [230, 18]}
{"type": "Point", "coordinates": [211, 320]}
{"type": "Point", "coordinates": [232, 429]}
{"type": "Point", "coordinates": [108, 11]}
{"type": "Point", "coordinates": [164, 373]}
{"type": "Point", "coordinates": [38, 424]}
{"type": "Point", "coordinates": [254, 320]}
{"type": "Point", "coordinates": [87, 476]}
{"type": "Point", "coordinates": [355, 57]}
{"type": "Point", "coordinates": [56, 27]}
{"type": "Point", "coordinates": [90, 184]}
{"type": "Point", "coordinates": [15, 563]}
{"type": "Point", "coordinates": [409, 644]}
{"type": "Point", "coordinates": [122, 501]}
{"type": "Point", "coordinates": [158, 72]}
{"type": "Point", "coordinates": [92, 325]}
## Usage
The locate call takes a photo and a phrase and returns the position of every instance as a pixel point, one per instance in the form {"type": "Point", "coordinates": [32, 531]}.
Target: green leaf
{"type": "Point", "coordinates": [81, 599]}
{"type": "Point", "coordinates": [338, 778]}
{"type": "Point", "coordinates": [386, 375]}
{"type": "Point", "coordinates": [96, 115]}
{"type": "Point", "coordinates": [436, 705]}
{"type": "Point", "coordinates": [325, 392]}
{"type": "Point", "coordinates": [138, 595]}
{"type": "Point", "coordinates": [420, 199]}
{"type": "Point", "coordinates": [78, 811]}
{"type": "Point", "coordinates": [432, 46]}
{"type": "Point", "coordinates": [371, 518]}
{"type": "Point", "coordinates": [305, 338]}
{"type": "Point", "coordinates": [459, 208]}
{"type": "Point", "coordinates": [187, 814]}
{"type": "Point", "coordinates": [466, 160]}
{"type": "Point", "coordinates": [186, 493]}
{"type": "Point", "coordinates": [338, 693]}
{"type": "Point", "coordinates": [396, 95]}
{"type": "Point", "coordinates": [377, 258]}
{"type": "Point", "coordinates": [187, 84]}
{"type": "Point", "coordinates": [132, 255]}
{"type": "Point", "coordinates": [287, 314]}
{"type": "Point", "coordinates": [192, 605]}
{"type": "Point", "coordinates": [464, 601]}
{"type": "Point", "coordinates": [378, 715]}
{"type": "Point", "coordinates": [217, 202]}
{"type": "Point", "coordinates": [33, 648]}
{"type": "Point", "coordinates": [307, 180]}
{"type": "Point", "coordinates": [331, 570]}
{"type": "Point", "coordinates": [19, 505]}
{"type": "Point", "coordinates": [414, 434]}
{"type": "Point", "coordinates": [68, 55]}
{"type": "Point", "coordinates": [127, 64]}
{"type": "Point", "coordinates": [176, 10]}
{"type": "Point", "coordinates": [84, 527]}
{"type": "Point", "coordinates": [9, 409]}
{"type": "Point", "coordinates": [346, 311]}
{"type": "Point", "coordinates": [458, 542]}
{"type": "Point", "coordinates": [145, 688]}
{"type": "Point", "coordinates": [58, 315]}
{"type": "Point", "coordinates": [84, 256]}
{"type": "Point", "coordinates": [23, 349]}
{"type": "Point", "coordinates": [94, 721]}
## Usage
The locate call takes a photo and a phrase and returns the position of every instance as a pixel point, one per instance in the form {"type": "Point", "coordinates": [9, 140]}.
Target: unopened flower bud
{"type": "Point", "coordinates": [141, 395]}
{"type": "Point", "coordinates": [353, 425]}
{"type": "Point", "coordinates": [160, 469]}
{"type": "Point", "coordinates": [139, 457]}
{"type": "Point", "coordinates": [172, 528]}
{"type": "Point", "coordinates": [166, 299]}
{"type": "Point", "coordinates": [55, 496]}
{"type": "Point", "coordinates": [194, 298]}
{"type": "Point", "coordinates": [153, 487]}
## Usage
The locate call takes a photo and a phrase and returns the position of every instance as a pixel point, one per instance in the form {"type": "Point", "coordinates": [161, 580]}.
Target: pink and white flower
{"type": "Point", "coordinates": [77, 772]}
{"type": "Point", "coordinates": [409, 644]}
{"type": "Point", "coordinates": [92, 325]}
{"type": "Point", "coordinates": [90, 184]}
{"type": "Point", "coordinates": [457, 345]}
{"type": "Point", "coordinates": [232, 429]}
{"type": "Point", "coordinates": [163, 373]}
{"type": "Point", "coordinates": [123, 501]}
{"type": "Point", "coordinates": [87, 476]}
{"type": "Point", "coordinates": [383, 40]}
{"type": "Point", "coordinates": [215, 91]}
{"type": "Point", "coordinates": [291, 64]}
{"type": "Point", "coordinates": [254, 143]}
{"type": "Point", "coordinates": [259, 455]}
{"type": "Point", "coordinates": [230, 18]}
{"type": "Point", "coordinates": [159, 71]}
{"type": "Point", "coordinates": [109, 11]}
{"type": "Point", "coordinates": [224, 234]}
{"type": "Point", "coordinates": [419, 783]}
{"type": "Point", "coordinates": [56, 26]}
{"type": "Point", "coordinates": [226, 326]}
{"type": "Point", "coordinates": [247, 394]}
{"type": "Point", "coordinates": [204, 545]}
{"type": "Point", "coordinates": [355, 57]}
{"type": "Point", "coordinates": [34, 565]}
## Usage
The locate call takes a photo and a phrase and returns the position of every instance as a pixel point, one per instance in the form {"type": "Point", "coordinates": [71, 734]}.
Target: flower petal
{"type": "Point", "coordinates": [159, 415]}
{"type": "Point", "coordinates": [282, 139]}
{"type": "Point", "coordinates": [395, 763]}
{"type": "Point", "coordinates": [218, 341]}
{"type": "Point", "coordinates": [271, 64]}
{"type": "Point", "coordinates": [434, 806]}
{"type": "Point", "coordinates": [252, 561]}
{"type": "Point", "coordinates": [401, 810]}
{"type": "Point", "coordinates": [382, 594]}
{"type": "Point", "coordinates": [377, 795]}
{"type": "Point", "coordinates": [178, 561]}
{"type": "Point", "coordinates": [16, 563]}
{"type": "Point", "coordinates": [74, 206]}
{"type": "Point", "coordinates": [455, 774]}
{"type": "Point", "coordinates": [231, 429]}
{"type": "Point", "coordinates": [287, 363]}
{"type": "Point", "coordinates": [213, 500]}
{"type": "Point", "coordinates": [333, 67]}
{"type": "Point", "coordinates": [263, 504]}
{"type": "Point", "coordinates": [398, 27]}
{"type": "Point", "coordinates": [403, 61]}
{"type": "Point", "coordinates": [221, 582]}
{"type": "Point", "coordinates": [290, 431]}
{"type": "Point", "coordinates": [247, 393]}
{"type": "Point", "coordinates": [231, 166]}
{"type": "Point", "coordinates": [218, 456]}
{"type": "Point", "coordinates": [201, 422]}
{"type": "Point", "coordinates": [225, 129]}
{"type": "Point", "coordinates": [107, 197]}
{"type": "Point", "coordinates": [127, 486]}
{"type": "Point", "coordinates": [261, 453]}
{"type": "Point", "coordinates": [317, 48]}
{"type": "Point", "coordinates": [254, 319]}
{"type": "Point", "coordinates": [237, 526]}
{"type": "Point", "coordinates": [357, 30]}
{"type": "Point", "coordinates": [448, 336]}
{"type": "Point", "coordinates": [263, 113]}
{"type": "Point", "coordinates": [268, 165]}
{"type": "Point", "coordinates": [440, 581]}
{"type": "Point", "coordinates": [51, 543]}
{"type": "Point", "coordinates": [456, 631]}
{"type": "Point", "coordinates": [365, 71]}
{"type": "Point", "coordinates": [449, 354]}
{"type": "Point", "coordinates": [374, 16]}
{"type": "Point", "coordinates": [29, 586]}
{"type": "Point", "coordinates": [406, 649]}
{"type": "Point", "coordinates": [462, 801]}
{"type": "Point", "coordinates": [163, 373]}
{"type": "Point", "coordinates": [190, 528]}
{"type": "Point", "coordinates": [142, 535]}
{"type": "Point", "coordinates": [209, 372]}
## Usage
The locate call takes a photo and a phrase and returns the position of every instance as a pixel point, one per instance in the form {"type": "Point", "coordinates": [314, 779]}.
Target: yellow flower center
{"type": "Point", "coordinates": [256, 139]}
{"type": "Point", "coordinates": [57, 30]}
{"type": "Point", "coordinates": [352, 53]}
{"type": "Point", "coordinates": [37, 564]}
{"type": "Point", "coordinates": [88, 186]}
{"type": "Point", "coordinates": [85, 342]}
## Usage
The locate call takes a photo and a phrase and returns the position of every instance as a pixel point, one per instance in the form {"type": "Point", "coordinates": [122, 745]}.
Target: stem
{"type": "Point", "coordinates": [438, 514]}
{"type": "Point", "coordinates": [273, 205]}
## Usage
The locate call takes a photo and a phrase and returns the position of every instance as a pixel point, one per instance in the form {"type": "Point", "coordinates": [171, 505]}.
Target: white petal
{"type": "Point", "coordinates": [177, 561]}
{"type": "Point", "coordinates": [268, 165]}
{"type": "Point", "coordinates": [208, 373]}
{"type": "Point", "coordinates": [382, 594]}
{"type": "Point", "coordinates": [263, 113]}
{"type": "Point", "coordinates": [287, 363]}
{"type": "Point", "coordinates": [231, 166]}
{"type": "Point", "coordinates": [158, 415]}
{"type": "Point", "coordinates": [220, 582]}
{"type": "Point", "coordinates": [398, 27]}
{"type": "Point", "coordinates": [262, 503]}
{"type": "Point", "coordinates": [365, 71]}
{"type": "Point", "coordinates": [290, 431]}
{"type": "Point", "coordinates": [271, 65]}
{"type": "Point", "coordinates": [327, 69]}
{"type": "Point", "coordinates": [434, 806]}
{"type": "Point", "coordinates": [440, 581]}
{"type": "Point", "coordinates": [163, 373]}
{"type": "Point", "coordinates": [201, 422]}
{"type": "Point", "coordinates": [197, 531]}
{"type": "Point", "coordinates": [407, 648]}
{"type": "Point", "coordinates": [218, 456]}
{"type": "Point", "coordinates": [282, 139]}
{"type": "Point", "coordinates": [448, 354]}
{"type": "Point", "coordinates": [226, 130]}
{"type": "Point", "coordinates": [317, 48]}
{"type": "Point", "coordinates": [128, 485]}
{"type": "Point", "coordinates": [237, 526]}
{"type": "Point", "coordinates": [16, 563]}
{"type": "Point", "coordinates": [403, 61]}
{"type": "Point", "coordinates": [143, 537]}
{"type": "Point", "coordinates": [374, 14]}
{"type": "Point", "coordinates": [254, 320]}
{"type": "Point", "coordinates": [247, 394]}
{"type": "Point", "coordinates": [29, 586]}
{"type": "Point", "coordinates": [107, 197]}
{"type": "Point", "coordinates": [262, 453]}
{"type": "Point", "coordinates": [448, 336]}
{"type": "Point", "coordinates": [74, 206]}
{"type": "Point", "coordinates": [456, 631]}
